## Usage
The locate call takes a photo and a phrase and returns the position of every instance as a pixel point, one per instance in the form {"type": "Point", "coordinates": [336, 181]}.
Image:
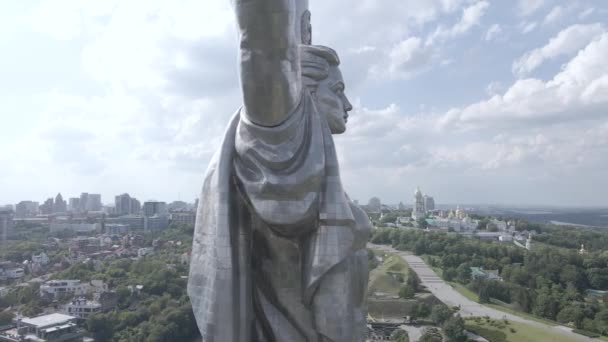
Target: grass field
{"type": "Point", "coordinates": [499, 331]}
{"type": "Point", "coordinates": [382, 278]}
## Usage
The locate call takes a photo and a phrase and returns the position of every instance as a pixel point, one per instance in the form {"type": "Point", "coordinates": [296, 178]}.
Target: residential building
{"type": "Point", "coordinates": [75, 227]}
{"type": "Point", "coordinates": [185, 258]}
{"type": "Point", "coordinates": [47, 207]}
{"type": "Point", "coordinates": [48, 328]}
{"type": "Point", "coordinates": [135, 222]}
{"type": "Point", "coordinates": [156, 222]}
{"type": "Point", "coordinates": [185, 217]}
{"type": "Point", "coordinates": [14, 273]}
{"type": "Point", "coordinates": [94, 202]}
{"type": "Point", "coordinates": [142, 252]}
{"type": "Point", "coordinates": [177, 206]}
{"type": "Point", "coordinates": [116, 228]}
{"type": "Point", "coordinates": [152, 208]}
{"type": "Point", "coordinates": [41, 259]}
{"type": "Point", "coordinates": [55, 288]}
{"type": "Point", "coordinates": [126, 205]}
{"type": "Point", "coordinates": [25, 209]}
{"type": "Point", "coordinates": [84, 199]}
{"type": "Point", "coordinates": [488, 235]}
{"type": "Point", "coordinates": [135, 206]}
{"type": "Point", "coordinates": [81, 308]}
{"type": "Point", "coordinates": [505, 238]}
{"type": "Point", "coordinates": [6, 224]}
{"type": "Point", "coordinates": [60, 206]}
{"type": "Point", "coordinates": [480, 273]}
{"type": "Point", "coordinates": [90, 202]}
{"type": "Point", "coordinates": [74, 205]}
{"type": "Point", "coordinates": [429, 203]}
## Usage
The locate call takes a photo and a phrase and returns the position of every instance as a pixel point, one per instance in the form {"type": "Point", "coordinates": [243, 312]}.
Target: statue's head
{"type": "Point", "coordinates": [321, 75]}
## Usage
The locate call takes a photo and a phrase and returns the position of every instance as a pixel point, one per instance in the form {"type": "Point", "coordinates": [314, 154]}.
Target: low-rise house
{"type": "Point", "coordinates": [14, 273]}
{"type": "Point", "coordinates": [480, 273]}
{"type": "Point", "coordinates": [505, 238]}
{"type": "Point", "coordinates": [41, 259]}
{"type": "Point", "coordinates": [81, 308]}
{"type": "Point", "coordinates": [48, 328]}
{"type": "Point", "coordinates": [55, 288]}
{"type": "Point", "coordinates": [185, 258]}
{"type": "Point", "coordinates": [142, 252]}
{"type": "Point", "coordinates": [488, 235]}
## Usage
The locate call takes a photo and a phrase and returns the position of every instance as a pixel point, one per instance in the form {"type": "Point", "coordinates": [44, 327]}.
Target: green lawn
{"type": "Point", "coordinates": [463, 290]}
{"type": "Point", "coordinates": [380, 278]}
{"type": "Point", "coordinates": [498, 331]}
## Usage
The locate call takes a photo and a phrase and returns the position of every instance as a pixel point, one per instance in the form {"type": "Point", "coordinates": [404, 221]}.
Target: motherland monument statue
{"type": "Point", "coordinates": [279, 249]}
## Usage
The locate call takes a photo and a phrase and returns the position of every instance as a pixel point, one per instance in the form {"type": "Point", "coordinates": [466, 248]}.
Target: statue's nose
{"type": "Point", "coordinates": [347, 105]}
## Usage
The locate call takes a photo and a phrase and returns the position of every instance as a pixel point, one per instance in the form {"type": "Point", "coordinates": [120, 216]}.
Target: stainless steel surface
{"type": "Point", "coordinates": [279, 249]}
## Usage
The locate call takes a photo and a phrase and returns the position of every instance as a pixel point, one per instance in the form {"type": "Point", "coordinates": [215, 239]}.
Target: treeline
{"type": "Point", "coordinates": [547, 282]}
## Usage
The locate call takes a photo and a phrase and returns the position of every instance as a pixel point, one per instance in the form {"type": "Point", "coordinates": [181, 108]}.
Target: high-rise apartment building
{"type": "Point", "coordinates": [48, 207]}
{"type": "Point", "coordinates": [125, 205]}
{"type": "Point", "coordinates": [429, 203]}
{"type": "Point", "coordinates": [152, 208]}
{"type": "Point", "coordinates": [60, 206]}
{"type": "Point", "coordinates": [26, 209]}
{"type": "Point", "coordinates": [90, 202]}
{"type": "Point", "coordinates": [74, 205]}
{"type": "Point", "coordinates": [94, 203]}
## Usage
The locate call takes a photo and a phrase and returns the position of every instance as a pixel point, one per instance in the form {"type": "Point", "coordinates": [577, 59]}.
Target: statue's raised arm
{"type": "Point", "coordinates": [269, 59]}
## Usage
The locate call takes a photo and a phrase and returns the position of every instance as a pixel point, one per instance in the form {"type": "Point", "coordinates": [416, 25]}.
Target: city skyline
{"type": "Point", "coordinates": [474, 101]}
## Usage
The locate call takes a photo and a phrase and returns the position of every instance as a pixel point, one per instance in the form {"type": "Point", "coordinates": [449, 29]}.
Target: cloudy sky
{"type": "Point", "coordinates": [475, 101]}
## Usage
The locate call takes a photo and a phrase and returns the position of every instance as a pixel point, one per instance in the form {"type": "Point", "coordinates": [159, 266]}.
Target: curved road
{"type": "Point", "coordinates": [451, 297]}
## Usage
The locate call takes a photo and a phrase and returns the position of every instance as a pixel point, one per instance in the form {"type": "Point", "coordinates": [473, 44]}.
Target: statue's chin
{"type": "Point", "coordinates": [338, 130]}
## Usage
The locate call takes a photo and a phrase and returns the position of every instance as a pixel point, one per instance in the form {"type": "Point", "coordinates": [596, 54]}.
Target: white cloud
{"type": "Point", "coordinates": [578, 92]}
{"type": "Point", "coordinates": [528, 27]}
{"type": "Point", "coordinates": [566, 42]}
{"type": "Point", "coordinates": [554, 16]}
{"type": "Point", "coordinates": [587, 12]}
{"type": "Point", "coordinates": [471, 17]}
{"type": "Point", "coordinates": [492, 32]}
{"type": "Point", "coordinates": [68, 19]}
{"type": "Point", "coordinates": [405, 59]}
{"type": "Point", "coordinates": [529, 7]}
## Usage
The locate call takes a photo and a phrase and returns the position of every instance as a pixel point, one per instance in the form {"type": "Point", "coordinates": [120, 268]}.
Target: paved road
{"type": "Point", "coordinates": [468, 308]}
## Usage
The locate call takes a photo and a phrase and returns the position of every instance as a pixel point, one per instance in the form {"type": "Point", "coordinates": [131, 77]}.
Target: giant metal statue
{"type": "Point", "coordinates": [279, 249]}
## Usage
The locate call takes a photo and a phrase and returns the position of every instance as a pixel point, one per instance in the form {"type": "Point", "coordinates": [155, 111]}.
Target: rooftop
{"type": "Point", "coordinates": [48, 320]}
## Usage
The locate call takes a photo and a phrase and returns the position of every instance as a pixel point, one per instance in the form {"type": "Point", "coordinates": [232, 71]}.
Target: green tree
{"type": "Point", "coordinates": [6, 317]}
{"type": "Point", "coordinates": [413, 281]}
{"type": "Point", "coordinates": [400, 335]}
{"type": "Point", "coordinates": [431, 335]}
{"type": "Point", "coordinates": [463, 273]}
{"type": "Point", "coordinates": [101, 326]}
{"type": "Point", "coordinates": [407, 292]}
{"type": "Point", "coordinates": [421, 310]}
{"type": "Point", "coordinates": [440, 313]}
{"type": "Point", "coordinates": [454, 329]}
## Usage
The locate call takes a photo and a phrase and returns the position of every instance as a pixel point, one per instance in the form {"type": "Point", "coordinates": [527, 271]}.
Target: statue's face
{"type": "Point", "coordinates": [332, 102]}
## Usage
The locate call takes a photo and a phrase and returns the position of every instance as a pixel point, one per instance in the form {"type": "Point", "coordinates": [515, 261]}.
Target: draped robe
{"type": "Point", "coordinates": [279, 249]}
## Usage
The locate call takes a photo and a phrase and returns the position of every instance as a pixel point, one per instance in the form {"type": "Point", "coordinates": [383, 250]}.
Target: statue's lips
{"type": "Point", "coordinates": [345, 117]}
